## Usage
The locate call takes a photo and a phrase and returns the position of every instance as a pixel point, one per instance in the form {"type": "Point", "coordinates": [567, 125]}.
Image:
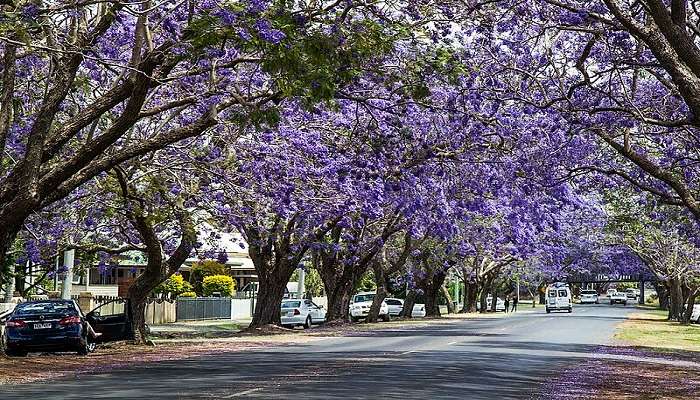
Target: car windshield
{"type": "Point", "coordinates": [291, 304]}
{"type": "Point", "coordinates": [364, 297]}
{"type": "Point", "coordinates": [49, 307]}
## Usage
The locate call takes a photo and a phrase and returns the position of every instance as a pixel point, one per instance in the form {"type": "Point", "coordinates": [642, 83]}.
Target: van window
{"type": "Point", "coordinates": [552, 293]}
{"type": "Point", "coordinates": [562, 293]}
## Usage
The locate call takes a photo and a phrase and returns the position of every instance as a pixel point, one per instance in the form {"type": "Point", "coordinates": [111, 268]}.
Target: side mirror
{"type": "Point", "coordinates": [94, 314]}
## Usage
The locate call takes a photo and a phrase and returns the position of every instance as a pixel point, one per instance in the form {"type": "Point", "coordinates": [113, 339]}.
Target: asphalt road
{"type": "Point", "coordinates": [491, 358]}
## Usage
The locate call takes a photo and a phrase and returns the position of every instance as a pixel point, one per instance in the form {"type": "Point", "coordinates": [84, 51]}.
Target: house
{"type": "Point", "coordinates": [114, 280]}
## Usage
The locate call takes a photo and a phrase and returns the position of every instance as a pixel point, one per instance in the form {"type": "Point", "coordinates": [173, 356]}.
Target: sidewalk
{"type": "Point", "coordinates": [209, 328]}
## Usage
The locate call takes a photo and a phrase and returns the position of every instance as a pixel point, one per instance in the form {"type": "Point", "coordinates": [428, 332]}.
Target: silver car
{"type": "Point", "coordinates": [301, 312]}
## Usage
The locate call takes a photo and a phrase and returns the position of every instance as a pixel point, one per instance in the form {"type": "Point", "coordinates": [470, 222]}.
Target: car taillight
{"type": "Point", "coordinates": [70, 321]}
{"type": "Point", "coordinates": [296, 312]}
{"type": "Point", "coordinates": [15, 324]}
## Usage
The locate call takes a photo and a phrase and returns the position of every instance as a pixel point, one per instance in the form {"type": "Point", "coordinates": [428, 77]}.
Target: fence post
{"type": "Point", "coordinates": [85, 302]}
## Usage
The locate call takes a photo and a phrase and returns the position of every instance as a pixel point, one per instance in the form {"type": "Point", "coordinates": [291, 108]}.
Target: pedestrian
{"type": "Point", "coordinates": [507, 302]}
{"type": "Point", "coordinates": [515, 304]}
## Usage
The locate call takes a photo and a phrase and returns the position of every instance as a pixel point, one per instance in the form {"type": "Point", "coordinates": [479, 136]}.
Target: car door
{"type": "Point", "coordinates": [319, 313]}
{"type": "Point", "coordinates": [112, 321]}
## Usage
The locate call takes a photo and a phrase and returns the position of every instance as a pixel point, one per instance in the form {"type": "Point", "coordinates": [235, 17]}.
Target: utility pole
{"type": "Point", "coordinates": [69, 263]}
{"type": "Point", "coordinates": [300, 284]}
{"type": "Point", "coordinates": [10, 284]}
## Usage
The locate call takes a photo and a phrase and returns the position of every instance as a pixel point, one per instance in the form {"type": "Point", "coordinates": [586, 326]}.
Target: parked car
{"type": "Point", "coordinates": [589, 297]}
{"type": "Point", "coordinates": [558, 298]}
{"type": "Point", "coordinates": [611, 292]}
{"type": "Point", "coordinates": [500, 304]}
{"type": "Point", "coordinates": [632, 294]}
{"type": "Point", "coordinates": [302, 313]}
{"type": "Point", "coordinates": [618, 297]}
{"type": "Point", "coordinates": [696, 314]}
{"type": "Point", "coordinates": [59, 325]}
{"type": "Point", "coordinates": [396, 307]}
{"type": "Point", "coordinates": [360, 304]}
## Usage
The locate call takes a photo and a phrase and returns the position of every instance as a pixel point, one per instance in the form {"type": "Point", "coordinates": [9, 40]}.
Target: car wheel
{"type": "Point", "coordinates": [386, 318]}
{"type": "Point", "coordinates": [354, 319]}
{"type": "Point", "coordinates": [15, 352]}
{"type": "Point", "coordinates": [307, 324]}
{"type": "Point", "coordinates": [571, 310]}
{"type": "Point", "coordinates": [548, 311]}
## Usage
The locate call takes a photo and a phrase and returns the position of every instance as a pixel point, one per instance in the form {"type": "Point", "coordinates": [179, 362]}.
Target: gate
{"type": "Point", "coordinates": [203, 308]}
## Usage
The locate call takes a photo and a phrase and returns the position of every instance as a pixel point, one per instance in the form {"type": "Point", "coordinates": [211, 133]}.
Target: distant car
{"type": "Point", "coordinates": [696, 314]}
{"type": "Point", "coordinates": [396, 307]}
{"type": "Point", "coordinates": [301, 312]}
{"type": "Point", "coordinates": [361, 303]}
{"type": "Point", "coordinates": [558, 298]}
{"type": "Point", "coordinates": [632, 294]}
{"type": "Point", "coordinates": [500, 304]}
{"type": "Point", "coordinates": [589, 297]}
{"type": "Point", "coordinates": [618, 298]}
{"type": "Point", "coordinates": [59, 325]}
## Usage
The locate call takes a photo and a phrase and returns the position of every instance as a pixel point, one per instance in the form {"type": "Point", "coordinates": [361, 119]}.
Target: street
{"type": "Point", "coordinates": [489, 358]}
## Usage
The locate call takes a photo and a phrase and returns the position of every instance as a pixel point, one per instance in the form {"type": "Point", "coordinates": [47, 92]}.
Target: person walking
{"type": "Point", "coordinates": [506, 303]}
{"type": "Point", "coordinates": [515, 304]}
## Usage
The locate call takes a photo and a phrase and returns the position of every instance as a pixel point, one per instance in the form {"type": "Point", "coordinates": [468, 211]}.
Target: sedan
{"type": "Point", "coordinates": [46, 325]}
{"type": "Point", "coordinates": [396, 307]}
{"type": "Point", "coordinates": [696, 314]}
{"type": "Point", "coordinates": [301, 313]}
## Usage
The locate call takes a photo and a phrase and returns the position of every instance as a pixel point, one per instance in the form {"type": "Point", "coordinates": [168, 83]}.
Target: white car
{"type": "Point", "coordinates": [558, 298]}
{"type": "Point", "coordinates": [696, 314]}
{"type": "Point", "coordinates": [618, 297]}
{"type": "Point", "coordinates": [360, 304]}
{"type": "Point", "coordinates": [396, 306]}
{"type": "Point", "coordinates": [301, 312]}
{"type": "Point", "coordinates": [500, 304]}
{"type": "Point", "coordinates": [589, 297]}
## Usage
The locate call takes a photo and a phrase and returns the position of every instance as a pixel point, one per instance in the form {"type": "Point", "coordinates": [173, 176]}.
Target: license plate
{"type": "Point", "coordinates": [43, 326]}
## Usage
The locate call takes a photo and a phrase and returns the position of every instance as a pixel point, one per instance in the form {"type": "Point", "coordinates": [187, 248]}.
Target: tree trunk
{"type": "Point", "coordinates": [338, 301]}
{"type": "Point", "coordinates": [663, 293]}
{"type": "Point", "coordinates": [471, 294]}
{"type": "Point", "coordinates": [339, 286]}
{"type": "Point", "coordinates": [688, 313]}
{"type": "Point", "coordinates": [677, 306]}
{"type": "Point", "coordinates": [269, 298]}
{"type": "Point", "coordinates": [409, 302]}
{"type": "Point", "coordinates": [137, 313]}
{"type": "Point", "coordinates": [450, 304]}
{"type": "Point", "coordinates": [432, 286]}
{"type": "Point", "coordinates": [380, 280]}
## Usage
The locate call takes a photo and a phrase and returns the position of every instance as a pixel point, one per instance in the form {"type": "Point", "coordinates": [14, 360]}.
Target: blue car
{"type": "Point", "coordinates": [59, 325]}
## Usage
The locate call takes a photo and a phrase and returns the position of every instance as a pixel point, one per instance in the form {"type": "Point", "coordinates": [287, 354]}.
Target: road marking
{"type": "Point", "coordinates": [243, 393]}
{"type": "Point", "coordinates": [452, 343]}
{"type": "Point", "coordinates": [408, 352]}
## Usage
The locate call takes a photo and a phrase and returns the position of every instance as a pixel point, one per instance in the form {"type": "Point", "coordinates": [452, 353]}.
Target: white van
{"type": "Point", "coordinates": [559, 298]}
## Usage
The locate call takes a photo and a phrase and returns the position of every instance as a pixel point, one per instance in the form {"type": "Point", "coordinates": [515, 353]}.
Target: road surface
{"type": "Point", "coordinates": [490, 358]}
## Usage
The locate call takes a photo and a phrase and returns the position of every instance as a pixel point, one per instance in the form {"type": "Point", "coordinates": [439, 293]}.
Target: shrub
{"type": "Point", "coordinates": [203, 269]}
{"type": "Point", "coordinates": [223, 284]}
{"type": "Point", "coordinates": [173, 287]}
{"type": "Point", "coordinates": [188, 294]}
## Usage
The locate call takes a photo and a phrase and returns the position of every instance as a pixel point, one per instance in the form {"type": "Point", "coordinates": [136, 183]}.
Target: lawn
{"type": "Point", "coordinates": [650, 329]}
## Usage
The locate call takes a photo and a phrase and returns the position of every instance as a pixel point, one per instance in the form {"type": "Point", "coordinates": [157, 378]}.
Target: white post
{"type": "Point", "coordinates": [69, 263]}
{"type": "Point", "coordinates": [517, 290]}
{"type": "Point", "coordinates": [10, 284]}
{"type": "Point", "coordinates": [300, 284]}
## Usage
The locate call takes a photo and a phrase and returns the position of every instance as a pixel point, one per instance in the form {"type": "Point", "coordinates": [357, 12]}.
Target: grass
{"type": "Point", "coordinates": [651, 329]}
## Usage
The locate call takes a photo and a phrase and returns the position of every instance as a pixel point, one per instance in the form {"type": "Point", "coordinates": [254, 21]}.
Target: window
{"type": "Point", "coordinates": [392, 302]}
{"type": "Point", "coordinates": [364, 297]}
{"type": "Point", "coordinates": [563, 293]}
{"type": "Point", "coordinates": [291, 304]}
{"type": "Point", "coordinates": [552, 293]}
{"type": "Point", "coordinates": [48, 307]}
